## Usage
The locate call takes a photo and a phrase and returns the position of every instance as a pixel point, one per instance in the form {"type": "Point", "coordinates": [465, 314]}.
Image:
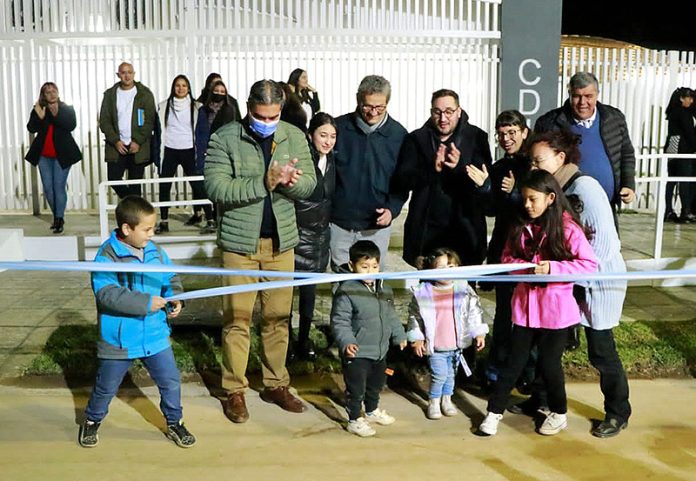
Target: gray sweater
{"type": "Point", "coordinates": [603, 299]}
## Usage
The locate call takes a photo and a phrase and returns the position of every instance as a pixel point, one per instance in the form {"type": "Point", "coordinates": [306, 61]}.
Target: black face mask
{"type": "Point", "coordinates": [218, 97]}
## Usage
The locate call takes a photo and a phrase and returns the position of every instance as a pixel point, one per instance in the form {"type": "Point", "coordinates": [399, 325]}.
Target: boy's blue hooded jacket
{"type": "Point", "coordinates": [127, 328]}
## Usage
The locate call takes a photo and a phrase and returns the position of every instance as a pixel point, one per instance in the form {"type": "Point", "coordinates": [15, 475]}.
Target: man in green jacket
{"type": "Point", "coordinates": [127, 117]}
{"type": "Point", "coordinates": [254, 170]}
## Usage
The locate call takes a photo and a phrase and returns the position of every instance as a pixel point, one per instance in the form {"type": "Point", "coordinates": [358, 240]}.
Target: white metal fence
{"type": "Point", "coordinates": [419, 45]}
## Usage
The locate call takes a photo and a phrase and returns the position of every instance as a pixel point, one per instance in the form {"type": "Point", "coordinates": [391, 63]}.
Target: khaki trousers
{"type": "Point", "coordinates": [276, 305]}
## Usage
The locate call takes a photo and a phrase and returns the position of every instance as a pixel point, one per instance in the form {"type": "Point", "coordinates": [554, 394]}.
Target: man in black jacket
{"type": "Point", "coordinates": [606, 150]}
{"type": "Point", "coordinates": [445, 210]}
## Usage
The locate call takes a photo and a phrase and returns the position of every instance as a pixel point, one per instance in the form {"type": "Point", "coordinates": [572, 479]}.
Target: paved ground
{"type": "Point", "coordinates": [38, 441]}
{"type": "Point", "coordinates": [37, 425]}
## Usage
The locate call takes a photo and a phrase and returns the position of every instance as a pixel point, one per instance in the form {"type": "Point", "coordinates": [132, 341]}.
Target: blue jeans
{"type": "Point", "coordinates": [54, 179]}
{"type": "Point", "coordinates": [162, 369]}
{"type": "Point", "coordinates": [443, 367]}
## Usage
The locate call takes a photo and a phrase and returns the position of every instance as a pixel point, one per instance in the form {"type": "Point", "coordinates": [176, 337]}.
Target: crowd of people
{"type": "Point", "coordinates": [295, 189]}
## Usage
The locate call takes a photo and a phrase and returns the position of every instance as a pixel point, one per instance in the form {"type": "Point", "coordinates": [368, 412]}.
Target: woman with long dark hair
{"type": "Point", "coordinates": [178, 115]}
{"type": "Point", "coordinates": [681, 139]}
{"type": "Point", "coordinates": [53, 149]}
{"type": "Point", "coordinates": [205, 91]}
{"type": "Point", "coordinates": [548, 234]}
{"type": "Point", "coordinates": [313, 215]}
{"type": "Point", "coordinates": [305, 93]}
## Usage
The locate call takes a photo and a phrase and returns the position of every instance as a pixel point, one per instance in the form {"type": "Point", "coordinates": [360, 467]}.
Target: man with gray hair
{"type": "Point", "coordinates": [254, 170]}
{"type": "Point", "coordinates": [367, 145]}
{"type": "Point", "coordinates": [606, 150]}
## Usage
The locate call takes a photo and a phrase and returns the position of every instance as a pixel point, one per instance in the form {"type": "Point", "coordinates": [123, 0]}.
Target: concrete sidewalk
{"type": "Point", "coordinates": [38, 440]}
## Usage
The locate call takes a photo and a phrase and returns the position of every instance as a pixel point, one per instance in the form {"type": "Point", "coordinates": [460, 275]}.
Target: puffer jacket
{"type": "Point", "coordinates": [235, 179]}
{"type": "Point", "coordinates": [313, 216]}
{"type": "Point", "coordinates": [366, 318]}
{"type": "Point", "coordinates": [127, 327]}
{"type": "Point", "coordinates": [468, 315]}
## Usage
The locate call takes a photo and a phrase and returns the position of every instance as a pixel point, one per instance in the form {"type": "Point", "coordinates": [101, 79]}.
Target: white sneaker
{"type": "Point", "coordinates": [489, 425]}
{"type": "Point", "coordinates": [360, 427]}
{"type": "Point", "coordinates": [434, 409]}
{"type": "Point", "coordinates": [448, 409]}
{"type": "Point", "coordinates": [553, 424]}
{"type": "Point", "coordinates": [380, 416]}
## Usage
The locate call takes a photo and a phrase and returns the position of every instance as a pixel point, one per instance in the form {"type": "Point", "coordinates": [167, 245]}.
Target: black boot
{"type": "Point", "coordinates": [55, 223]}
{"type": "Point", "coordinates": [60, 223]}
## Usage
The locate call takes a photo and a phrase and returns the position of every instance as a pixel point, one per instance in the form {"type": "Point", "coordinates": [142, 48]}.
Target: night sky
{"type": "Point", "coordinates": [663, 25]}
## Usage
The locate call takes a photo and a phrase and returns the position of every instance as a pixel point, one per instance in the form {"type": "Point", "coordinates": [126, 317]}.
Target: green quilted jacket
{"type": "Point", "coordinates": [235, 175]}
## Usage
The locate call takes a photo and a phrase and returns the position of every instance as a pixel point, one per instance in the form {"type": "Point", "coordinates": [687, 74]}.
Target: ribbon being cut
{"type": "Point", "coordinates": [481, 273]}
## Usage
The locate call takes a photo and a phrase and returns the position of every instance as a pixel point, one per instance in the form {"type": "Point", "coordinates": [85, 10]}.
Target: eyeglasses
{"type": "Point", "coordinates": [507, 134]}
{"type": "Point", "coordinates": [437, 113]}
{"type": "Point", "coordinates": [377, 108]}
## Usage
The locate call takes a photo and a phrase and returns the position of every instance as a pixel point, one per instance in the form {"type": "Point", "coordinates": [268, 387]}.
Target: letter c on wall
{"type": "Point", "coordinates": [521, 75]}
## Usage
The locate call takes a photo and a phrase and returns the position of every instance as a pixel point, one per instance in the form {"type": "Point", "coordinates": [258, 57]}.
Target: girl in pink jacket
{"type": "Point", "coordinates": [548, 234]}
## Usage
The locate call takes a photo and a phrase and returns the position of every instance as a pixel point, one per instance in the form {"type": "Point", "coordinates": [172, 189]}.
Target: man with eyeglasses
{"type": "Point", "coordinates": [445, 209]}
{"type": "Point", "coordinates": [254, 170]}
{"type": "Point", "coordinates": [367, 146]}
{"type": "Point", "coordinates": [606, 151]}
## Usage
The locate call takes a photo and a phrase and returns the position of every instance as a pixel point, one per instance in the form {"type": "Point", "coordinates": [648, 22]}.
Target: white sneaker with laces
{"type": "Point", "coordinates": [434, 408]}
{"type": "Point", "coordinates": [553, 424]}
{"type": "Point", "coordinates": [360, 427]}
{"type": "Point", "coordinates": [489, 426]}
{"type": "Point", "coordinates": [380, 416]}
{"type": "Point", "coordinates": [448, 408]}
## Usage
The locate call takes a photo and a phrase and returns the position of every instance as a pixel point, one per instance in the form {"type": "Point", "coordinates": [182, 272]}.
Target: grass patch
{"type": "Point", "coordinates": [647, 348]}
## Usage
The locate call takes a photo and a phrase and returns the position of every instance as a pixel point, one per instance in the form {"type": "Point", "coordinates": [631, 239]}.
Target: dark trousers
{"type": "Point", "coordinates": [687, 190]}
{"type": "Point", "coordinates": [551, 344]}
{"type": "Point", "coordinates": [307, 297]}
{"type": "Point", "coordinates": [364, 380]}
{"type": "Point", "coordinates": [601, 350]}
{"type": "Point", "coordinates": [116, 169]}
{"type": "Point", "coordinates": [174, 158]}
{"type": "Point", "coordinates": [162, 369]}
{"type": "Point", "coordinates": [502, 336]}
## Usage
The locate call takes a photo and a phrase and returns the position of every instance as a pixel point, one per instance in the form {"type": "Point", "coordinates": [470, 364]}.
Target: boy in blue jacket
{"type": "Point", "coordinates": [364, 322]}
{"type": "Point", "coordinates": [132, 321]}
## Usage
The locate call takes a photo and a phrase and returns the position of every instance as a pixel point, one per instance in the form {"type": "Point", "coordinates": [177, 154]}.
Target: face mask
{"type": "Point", "coordinates": [263, 129]}
{"type": "Point", "coordinates": [217, 97]}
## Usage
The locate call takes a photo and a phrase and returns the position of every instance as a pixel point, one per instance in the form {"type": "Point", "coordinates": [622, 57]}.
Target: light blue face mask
{"type": "Point", "coordinates": [263, 129]}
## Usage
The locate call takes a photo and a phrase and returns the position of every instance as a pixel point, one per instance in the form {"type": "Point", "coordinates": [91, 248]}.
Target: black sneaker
{"type": "Point", "coordinates": [195, 219]}
{"type": "Point", "coordinates": [180, 435]}
{"type": "Point", "coordinates": [88, 437]}
{"type": "Point", "coordinates": [162, 227]}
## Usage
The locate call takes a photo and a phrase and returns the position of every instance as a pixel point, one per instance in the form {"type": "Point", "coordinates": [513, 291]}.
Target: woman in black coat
{"type": "Point", "coordinates": [313, 215]}
{"type": "Point", "coordinates": [53, 150]}
{"type": "Point", "coordinates": [307, 96]}
{"type": "Point", "coordinates": [681, 139]}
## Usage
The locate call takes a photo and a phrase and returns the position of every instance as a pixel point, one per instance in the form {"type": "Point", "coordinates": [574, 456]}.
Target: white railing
{"type": "Point", "coordinates": [105, 207]}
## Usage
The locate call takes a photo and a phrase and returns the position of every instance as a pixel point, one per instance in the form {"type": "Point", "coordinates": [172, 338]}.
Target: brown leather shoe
{"type": "Point", "coordinates": [235, 408]}
{"type": "Point", "coordinates": [283, 398]}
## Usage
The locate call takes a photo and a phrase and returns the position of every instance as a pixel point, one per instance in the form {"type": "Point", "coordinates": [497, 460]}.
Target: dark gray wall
{"type": "Point", "coordinates": [531, 40]}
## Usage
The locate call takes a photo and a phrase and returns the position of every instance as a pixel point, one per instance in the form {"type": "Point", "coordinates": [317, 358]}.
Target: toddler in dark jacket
{"type": "Point", "coordinates": [364, 322]}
